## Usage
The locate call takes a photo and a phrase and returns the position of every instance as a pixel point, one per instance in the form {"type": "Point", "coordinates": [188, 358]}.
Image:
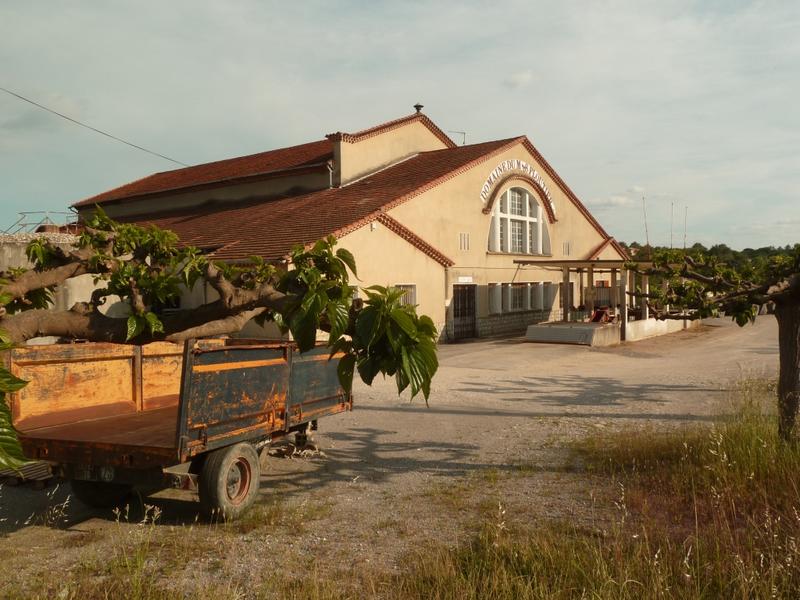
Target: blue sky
{"type": "Point", "coordinates": [690, 104]}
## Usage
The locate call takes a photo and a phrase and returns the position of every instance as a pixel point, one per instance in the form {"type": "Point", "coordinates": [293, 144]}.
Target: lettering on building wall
{"type": "Point", "coordinates": [515, 166]}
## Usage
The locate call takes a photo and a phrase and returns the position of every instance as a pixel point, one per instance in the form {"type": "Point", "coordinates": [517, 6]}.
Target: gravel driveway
{"type": "Point", "coordinates": [395, 474]}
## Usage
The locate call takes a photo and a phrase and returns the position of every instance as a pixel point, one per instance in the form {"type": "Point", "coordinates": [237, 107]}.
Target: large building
{"type": "Point", "coordinates": [474, 233]}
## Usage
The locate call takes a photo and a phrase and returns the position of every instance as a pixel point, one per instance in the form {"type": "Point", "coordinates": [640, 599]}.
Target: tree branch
{"type": "Point", "coordinates": [217, 280]}
{"type": "Point", "coordinates": [36, 280]}
{"type": "Point", "coordinates": [224, 326]}
{"type": "Point", "coordinates": [77, 323]}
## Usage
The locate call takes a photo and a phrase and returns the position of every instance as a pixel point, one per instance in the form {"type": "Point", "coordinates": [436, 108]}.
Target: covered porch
{"type": "Point", "coordinates": [602, 310]}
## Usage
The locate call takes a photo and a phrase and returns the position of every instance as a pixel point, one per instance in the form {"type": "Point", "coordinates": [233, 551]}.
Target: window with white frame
{"type": "Point", "coordinates": [517, 225]}
{"type": "Point", "coordinates": [495, 298]}
{"type": "Point", "coordinates": [536, 291]}
{"type": "Point", "coordinates": [517, 296]}
{"type": "Point", "coordinates": [409, 298]}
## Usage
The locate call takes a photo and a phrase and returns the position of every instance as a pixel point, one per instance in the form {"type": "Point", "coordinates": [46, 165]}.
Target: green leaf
{"type": "Point", "coordinates": [426, 326]}
{"type": "Point", "coordinates": [154, 323]}
{"type": "Point", "coordinates": [368, 325]}
{"type": "Point", "coordinates": [339, 318]}
{"type": "Point", "coordinates": [11, 456]}
{"type": "Point", "coordinates": [368, 368]}
{"type": "Point", "coordinates": [405, 321]}
{"type": "Point", "coordinates": [135, 327]}
{"type": "Point", "coordinates": [340, 345]}
{"type": "Point", "coordinates": [10, 382]}
{"type": "Point", "coordinates": [345, 370]}
{"type": "Point", "coordinates": [347, 258]}
{"type": "Point", "coordinates": [304, 330]}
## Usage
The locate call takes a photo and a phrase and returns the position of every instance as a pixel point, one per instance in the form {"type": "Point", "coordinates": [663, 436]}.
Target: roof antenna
{"type": "Point", "coordinates": [418, 107]}
{"type": "Point", "coordinates": [685, 218]}
{"type": "Point", "coordinates": [463, 136]}
{"type": "Point", "coordinates": [644, 210]}
{"type": "Point", "coordinates": [671, 219]}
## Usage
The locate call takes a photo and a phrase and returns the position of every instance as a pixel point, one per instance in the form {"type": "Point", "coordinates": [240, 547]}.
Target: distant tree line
{"type": "Point", "coordinates": [721, 253]}
{"type": "Point", "coordinates": [702, 282]}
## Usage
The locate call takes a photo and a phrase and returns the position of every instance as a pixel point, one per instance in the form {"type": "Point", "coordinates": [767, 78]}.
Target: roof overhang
{"type": "Point", "coordinates": [597, 264]}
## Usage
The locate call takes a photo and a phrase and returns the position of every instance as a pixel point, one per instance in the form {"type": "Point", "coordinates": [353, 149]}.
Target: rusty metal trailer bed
{"type": "Point", "coordinates": [110, 416]}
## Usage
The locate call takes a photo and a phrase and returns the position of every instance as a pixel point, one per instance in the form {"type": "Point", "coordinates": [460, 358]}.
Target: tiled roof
{"type": "Point", "coordinates": [270, 228]}
{"type": "Point", "coordinates": [222, 171]}
{"type": "Point", "coordinates": [254, 166]}
{"type": "Point", "coordinates": [388, 126]}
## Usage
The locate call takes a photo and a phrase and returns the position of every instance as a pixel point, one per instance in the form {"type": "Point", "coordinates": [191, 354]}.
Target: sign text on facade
{"type": "Point", "coordinates": [512, 166]}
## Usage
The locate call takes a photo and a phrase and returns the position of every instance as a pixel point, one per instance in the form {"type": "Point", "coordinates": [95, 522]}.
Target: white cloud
{"type": "Point", "coordinates": [695, 102]}
{"type": "Point", "coordinates": [519, 79]}
{"type": "Point", "coordinates": [616, 201]}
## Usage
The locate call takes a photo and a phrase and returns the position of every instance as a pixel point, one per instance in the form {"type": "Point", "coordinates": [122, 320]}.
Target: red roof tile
{"type": "Point", "coordinates": [221, 171]}
{"type": "Point", "coordinates": [388, 126]}
{"type": "Point", "coordinates": [270, 228]}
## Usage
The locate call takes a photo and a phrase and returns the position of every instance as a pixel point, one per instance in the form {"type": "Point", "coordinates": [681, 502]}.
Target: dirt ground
{"type": "Point", "coordinates": [394, 475]}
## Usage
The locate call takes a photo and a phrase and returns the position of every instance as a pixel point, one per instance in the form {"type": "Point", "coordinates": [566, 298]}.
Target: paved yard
{"type": "Point", "coordinates": [394, 474]}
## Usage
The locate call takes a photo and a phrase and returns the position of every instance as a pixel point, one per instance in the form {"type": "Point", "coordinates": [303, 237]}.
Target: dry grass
{"type": "Point", "coordinates": [277, 514]}
{"type": "Point", "coordinates": [702, 513]}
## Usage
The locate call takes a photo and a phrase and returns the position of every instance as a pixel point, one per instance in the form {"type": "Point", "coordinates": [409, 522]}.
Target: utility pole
{"type": "Point", "coordinates": [685, 218]}
{"type": "Point", "coordinates": [671, 219]}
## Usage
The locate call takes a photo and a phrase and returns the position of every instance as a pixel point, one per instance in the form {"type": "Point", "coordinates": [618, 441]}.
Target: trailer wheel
{"type": "Point", "coordinates": [100, 494]}
{"type": "Point", "coordinates": [229, 481]}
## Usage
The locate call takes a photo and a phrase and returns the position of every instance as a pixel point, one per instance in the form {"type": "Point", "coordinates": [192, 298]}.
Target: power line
{"type": "Point", "coordinates": [113, 137]}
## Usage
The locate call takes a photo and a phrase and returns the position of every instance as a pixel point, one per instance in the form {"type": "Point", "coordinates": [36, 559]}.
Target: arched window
{"type": "Point", "coordinates": [518, 225]}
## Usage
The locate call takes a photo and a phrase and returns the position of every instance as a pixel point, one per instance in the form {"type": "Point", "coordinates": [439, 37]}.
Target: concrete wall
{"type": "Point", "coordinates": [12, 254]}
{"type": "Point", "coordinates": [513, 323]}
{"type": "Point", "coordinates": [639, 330]}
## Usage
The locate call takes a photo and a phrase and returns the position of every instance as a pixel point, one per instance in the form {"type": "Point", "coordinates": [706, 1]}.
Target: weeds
{"type": "Point", "coordinates": [701, 513]}
{"type": "Point", "coordinates": [278, 514]}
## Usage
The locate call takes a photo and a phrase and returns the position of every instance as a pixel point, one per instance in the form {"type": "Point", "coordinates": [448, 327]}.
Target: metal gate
{"type": "Point", "coordinates": [464, 311]}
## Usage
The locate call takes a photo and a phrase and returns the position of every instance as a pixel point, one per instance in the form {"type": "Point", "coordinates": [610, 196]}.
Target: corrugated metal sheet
{"type": "Point", "coordinates": [33, 471]}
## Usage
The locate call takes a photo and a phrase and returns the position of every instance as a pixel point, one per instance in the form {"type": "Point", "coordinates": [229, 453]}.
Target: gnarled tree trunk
{"type": "Point", "coordinates": [788, 314]}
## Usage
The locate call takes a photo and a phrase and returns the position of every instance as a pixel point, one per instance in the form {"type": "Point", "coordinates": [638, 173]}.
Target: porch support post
{"type": "Point", "coordinates": [614, 293]}
{"type": "Point", "coordinates": [645, 290]}
{"type": "Point", "coordinates": [566, 301]}
{"type": "Point", "coordinates": [623, 324]}
{"type": "Point", "coordinates": [590, 290]}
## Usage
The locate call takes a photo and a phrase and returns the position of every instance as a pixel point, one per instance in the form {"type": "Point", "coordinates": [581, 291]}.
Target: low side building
{"type": "Point", "coordinates": [447, 223]}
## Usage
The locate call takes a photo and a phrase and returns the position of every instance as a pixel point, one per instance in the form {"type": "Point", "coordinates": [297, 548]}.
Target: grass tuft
{"type": "Point", "coordinates": [705, 512]}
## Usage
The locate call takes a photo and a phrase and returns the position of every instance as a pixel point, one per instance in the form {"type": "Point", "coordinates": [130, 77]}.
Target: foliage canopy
{"type": "Point", "coordinates": [147, 268]}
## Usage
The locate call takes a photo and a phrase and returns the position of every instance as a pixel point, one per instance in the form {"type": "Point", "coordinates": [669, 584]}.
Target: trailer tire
{"type": "Point", "coordinates": [229, 482]}
{"type": "Point", "coordinates": [100, 494]}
